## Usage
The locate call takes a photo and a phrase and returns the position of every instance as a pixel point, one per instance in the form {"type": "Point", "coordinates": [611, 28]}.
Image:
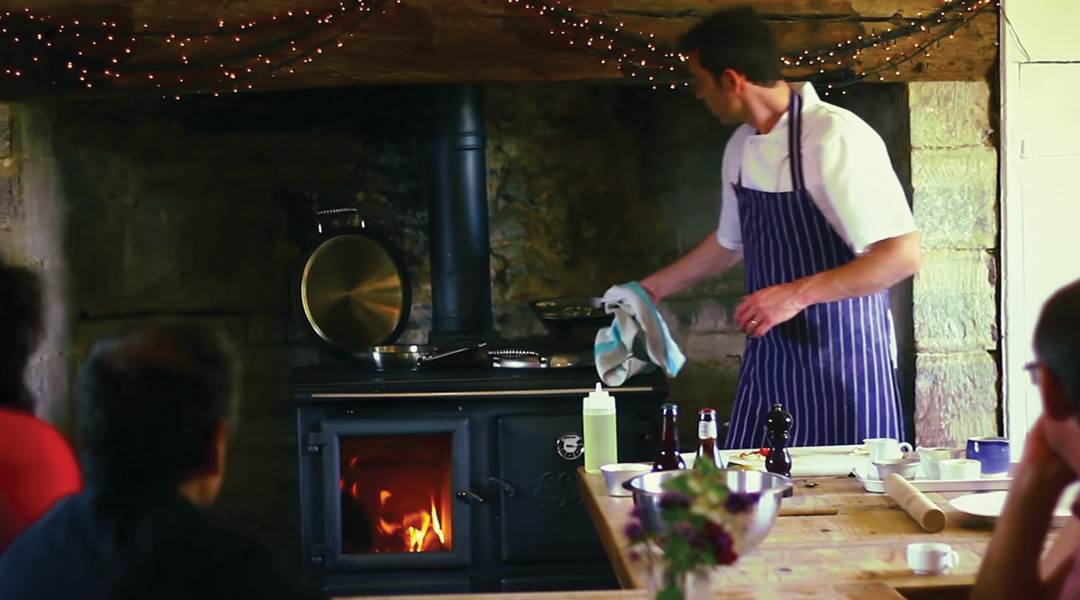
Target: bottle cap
{"type": "Point", "coordinates": [599, 399]}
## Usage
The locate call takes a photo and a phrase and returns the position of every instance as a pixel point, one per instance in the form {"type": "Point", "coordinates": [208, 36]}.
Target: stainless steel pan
{"type": "Point", "coordinates": [409, 357]}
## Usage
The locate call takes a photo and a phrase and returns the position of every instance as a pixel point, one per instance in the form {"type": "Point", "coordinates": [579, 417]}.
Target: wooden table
{"type": "Point", "coordinates": [866, 541]}
{"type": "Point", "coordinates": [801, 591]}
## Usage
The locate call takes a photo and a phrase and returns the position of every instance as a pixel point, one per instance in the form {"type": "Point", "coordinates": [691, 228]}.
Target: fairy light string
{"type": "Point", "coordinates": [837, 65]}
{"type": "Point", "coordinates": [222, 57]}
{"type": "Point", "coordinates": [230, 56]}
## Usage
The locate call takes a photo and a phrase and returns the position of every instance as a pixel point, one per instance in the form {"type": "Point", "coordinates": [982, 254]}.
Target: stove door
{"type": "Point", "coordinates": [543, 519]}
{"type": "Point", "coordinates": [390, 490]}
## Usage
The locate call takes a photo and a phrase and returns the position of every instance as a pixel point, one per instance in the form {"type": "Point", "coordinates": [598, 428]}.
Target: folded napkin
{"type": "Point", "coordinates": [637, 340]}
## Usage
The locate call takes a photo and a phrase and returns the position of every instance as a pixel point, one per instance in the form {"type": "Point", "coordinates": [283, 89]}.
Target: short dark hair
{"type": "Point", "coordinates": [148, 401]}
{"type": "Point", "coordinates": [738, 39]}
{"type": "Point", "coordinates": [1057, 340]}
{"type": "Point", "coordinates": [20, 331]}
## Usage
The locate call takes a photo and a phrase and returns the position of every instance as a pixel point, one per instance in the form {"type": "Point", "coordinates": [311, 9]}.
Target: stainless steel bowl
{"type": "Point", "coordinates": [647, 490]}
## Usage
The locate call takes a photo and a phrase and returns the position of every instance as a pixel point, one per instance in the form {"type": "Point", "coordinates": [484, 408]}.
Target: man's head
{"type": "Point", "coordinates": [1057, 356]}
{"type": "Point", "coordinates": [152, 406]}
{"type": "Point", "coordinates": [20, 330]}
{"type": "Point", "coordinates": [730, 50]}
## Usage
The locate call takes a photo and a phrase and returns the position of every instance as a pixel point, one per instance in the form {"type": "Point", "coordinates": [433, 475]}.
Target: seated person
{"type": "Point", "coordinates": [152, 408]}
{"type": "Point", "coordinates": [37, 466]}
{"type": "Point", "coordinates": [1051, 460]}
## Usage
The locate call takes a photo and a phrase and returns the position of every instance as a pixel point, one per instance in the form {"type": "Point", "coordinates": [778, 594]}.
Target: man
{"type": "Point", "coordinates": [152, 409]}
{"type": "Point", "coordinates": [811, 202]}
{"type": "Point", "coordinates": [1050, 462]}
{"type": "Point", "coordinates": [37, 466]}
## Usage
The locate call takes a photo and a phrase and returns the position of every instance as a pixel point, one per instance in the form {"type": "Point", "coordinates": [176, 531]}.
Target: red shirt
{"type": "Point", "coordinates": [37, 467]}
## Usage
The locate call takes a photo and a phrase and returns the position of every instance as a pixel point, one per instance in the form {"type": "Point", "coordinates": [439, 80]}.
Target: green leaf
{"type": "Point", "coordinates": [670, 593]}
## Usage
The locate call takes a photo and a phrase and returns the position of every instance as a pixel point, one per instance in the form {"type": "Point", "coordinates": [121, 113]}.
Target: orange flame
{"type": "Point", "coordinates": [420, 531]}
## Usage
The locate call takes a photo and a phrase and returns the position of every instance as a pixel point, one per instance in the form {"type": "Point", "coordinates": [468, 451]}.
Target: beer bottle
{"type": "Point", "coordinates": [708, 449]}
{"type": "Point", "coordinates": [669, 459]}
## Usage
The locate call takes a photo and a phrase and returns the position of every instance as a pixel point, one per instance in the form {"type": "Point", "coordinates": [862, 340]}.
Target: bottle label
{"type": "Point", "coordinates": [706, 430]}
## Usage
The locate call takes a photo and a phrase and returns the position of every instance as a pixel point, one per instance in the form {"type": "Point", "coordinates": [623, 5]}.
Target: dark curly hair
{"type": "Point", "coordinates": [737, 39]}
{"type": "Point", "coordinates": [147, 401]}
{"type": "Point", "coordinates": [20, 331]}
{"type": "Point", "coordinates": [1057, 340]}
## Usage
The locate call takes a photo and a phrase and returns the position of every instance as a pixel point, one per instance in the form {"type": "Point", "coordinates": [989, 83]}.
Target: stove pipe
{"type": "Point", "coordinates": [458, 214]}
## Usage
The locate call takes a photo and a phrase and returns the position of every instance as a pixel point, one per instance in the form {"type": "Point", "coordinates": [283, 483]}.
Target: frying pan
{"type": "Point", "coordinates": [409, 357]}
{"type": "Point", "coordinates": [561, 315]}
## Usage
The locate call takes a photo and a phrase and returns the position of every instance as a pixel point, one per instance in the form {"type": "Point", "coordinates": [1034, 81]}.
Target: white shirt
{"type": "Point", "coordinates": [846, 170]}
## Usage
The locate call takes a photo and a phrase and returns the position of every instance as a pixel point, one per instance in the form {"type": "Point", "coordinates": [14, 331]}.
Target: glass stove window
{"type": "Point", "coordinates": [395, 494]}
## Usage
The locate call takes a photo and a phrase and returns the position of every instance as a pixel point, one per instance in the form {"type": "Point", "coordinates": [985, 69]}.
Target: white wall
{"type": "Point", "coordinates": [1040, 181]}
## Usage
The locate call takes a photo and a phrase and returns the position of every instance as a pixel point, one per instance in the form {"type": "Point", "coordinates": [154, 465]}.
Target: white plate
{"type": "Point", "coordinates": [990, 504]}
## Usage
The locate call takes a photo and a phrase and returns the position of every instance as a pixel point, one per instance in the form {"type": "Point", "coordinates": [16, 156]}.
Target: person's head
{"type": "Point", "coordinates": [20, 331]}
{"type": "Point", "coordinates": [152, 407]}
{"type": "Point", "coordinates": [731, 51]}
{"type": "Point", "coordinates": [1057, 363]}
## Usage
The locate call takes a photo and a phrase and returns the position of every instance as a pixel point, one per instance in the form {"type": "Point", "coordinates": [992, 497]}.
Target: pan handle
{"type": "Point", "coordinates": [335, 211]}
{"type": "Point", "coordinates": [424, 358]}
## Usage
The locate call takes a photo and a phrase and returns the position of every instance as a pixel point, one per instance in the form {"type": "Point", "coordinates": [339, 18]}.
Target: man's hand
{"type": "Point", "coordinates": [768, 307]}
{"type": "Point", "coordinates": [1039, 454]}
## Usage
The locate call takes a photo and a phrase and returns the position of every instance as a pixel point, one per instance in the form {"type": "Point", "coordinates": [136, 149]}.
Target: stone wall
{"type": "Point", "coordinates": [954, 174]}
{"type": "Point", "coordinates": [32, 225]}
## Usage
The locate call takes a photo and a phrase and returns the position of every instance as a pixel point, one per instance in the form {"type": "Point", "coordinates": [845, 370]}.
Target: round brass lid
{"type": "Point", "coordinates": [353, 294]}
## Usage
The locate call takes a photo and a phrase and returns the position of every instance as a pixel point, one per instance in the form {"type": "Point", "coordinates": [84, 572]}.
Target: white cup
{"type": "Point", "coordinates": [930, 459]}
{"type": "Point", "coordinates": [883, 449]}
{"type": "Point", "coordinates": [930, 558]}
{"type": "Point", "coordinates": [960, 468]}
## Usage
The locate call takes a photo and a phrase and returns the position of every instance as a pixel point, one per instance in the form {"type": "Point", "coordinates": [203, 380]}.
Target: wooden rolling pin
{"type": "Point", "coordinates": [915, 503]}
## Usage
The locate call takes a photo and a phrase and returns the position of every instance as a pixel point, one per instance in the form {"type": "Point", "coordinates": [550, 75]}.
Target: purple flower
{"type": "Point", "coordinates": [738, 502]}
{"type": "Point", "coordinates": [670, 500]}
{"type": "Point", "coordinates": [636, 512]}
{"type": "Point", "coordinates": [683, 529]}
{"type": "Point", "coordinates": [634, 530]}
{"type": "Point", "coordinates": [633, 555]}
{"type": "Point", "coordinates": [722, 543]}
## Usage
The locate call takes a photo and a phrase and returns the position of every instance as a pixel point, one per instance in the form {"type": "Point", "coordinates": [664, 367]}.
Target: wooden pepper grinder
{"type": "Point", "coordinates": [777, 425]}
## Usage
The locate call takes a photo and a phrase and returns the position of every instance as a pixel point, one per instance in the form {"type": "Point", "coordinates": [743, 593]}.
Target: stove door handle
{"type": "Point", "coordinates": [507, 489]}
{"type": "Point", "coordinates": [468, 496]}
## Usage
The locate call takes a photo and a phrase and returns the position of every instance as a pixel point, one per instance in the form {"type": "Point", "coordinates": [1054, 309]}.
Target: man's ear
{"type": "Point", "coordinates": [732, 80]}
{"type": "Point", "coordinates": [214, 454]}
{"type": "Point", "coordinates": [1055, 402]}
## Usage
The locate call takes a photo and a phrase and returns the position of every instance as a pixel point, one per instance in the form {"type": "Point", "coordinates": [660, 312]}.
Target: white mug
{"type": "Point", "coordinates": [883, 449]}
{"type": "Point", "coordinates": [960, 468]}
{"type": "Point", "coordinates": [930, 558]}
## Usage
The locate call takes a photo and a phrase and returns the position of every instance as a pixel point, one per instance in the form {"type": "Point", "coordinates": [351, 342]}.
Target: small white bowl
{"type": "Point", "coordinates": [904, 467]}
{"type": "Point", "coordinates": [617, 473]}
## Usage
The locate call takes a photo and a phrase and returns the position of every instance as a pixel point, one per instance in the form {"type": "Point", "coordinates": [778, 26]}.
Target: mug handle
{"type": "Point", "coordinates": [905, 445]}
{"type": "Point", "coordinates": [954, 559]}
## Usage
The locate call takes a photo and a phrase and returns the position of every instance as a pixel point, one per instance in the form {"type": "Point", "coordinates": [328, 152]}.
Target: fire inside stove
{"type": "Point", "coordinates": [395, 494]}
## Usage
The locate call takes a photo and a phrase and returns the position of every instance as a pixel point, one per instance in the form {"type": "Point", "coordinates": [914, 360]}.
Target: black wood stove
{"type": "Point", "coordinates": [460, 476]}
{"type": "Point", "coordinates": [455, 480]}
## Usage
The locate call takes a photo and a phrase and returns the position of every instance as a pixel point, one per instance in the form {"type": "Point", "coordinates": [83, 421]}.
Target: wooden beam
{"type": "Point", "coordinates": [444, 41]}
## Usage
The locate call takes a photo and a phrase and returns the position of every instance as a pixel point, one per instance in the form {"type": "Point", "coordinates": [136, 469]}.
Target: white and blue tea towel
{"type": "Point", "coordinates": [638, 338]}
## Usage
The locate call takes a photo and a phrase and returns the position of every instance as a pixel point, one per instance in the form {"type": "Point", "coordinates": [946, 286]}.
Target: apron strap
{"type": "Point", "coordinates": [794, 139]}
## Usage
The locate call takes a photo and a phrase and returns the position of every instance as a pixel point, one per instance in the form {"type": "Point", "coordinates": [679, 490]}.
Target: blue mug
{"type": "Point", "coordinates": [992, 451]}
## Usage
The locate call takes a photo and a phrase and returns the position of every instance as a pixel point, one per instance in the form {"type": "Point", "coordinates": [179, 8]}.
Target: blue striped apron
{"type": "Point", "coordinates": [830, 366]}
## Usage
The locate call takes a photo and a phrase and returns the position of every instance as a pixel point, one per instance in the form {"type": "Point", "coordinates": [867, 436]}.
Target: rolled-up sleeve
{"type": "Point", "coordinates": [729, 232]}
{"type": "Point", "coordinates": [853, 183]}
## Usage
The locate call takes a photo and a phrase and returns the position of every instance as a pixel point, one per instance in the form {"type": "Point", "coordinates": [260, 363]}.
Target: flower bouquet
{"type": "Point", "coordinates": [703, 523]}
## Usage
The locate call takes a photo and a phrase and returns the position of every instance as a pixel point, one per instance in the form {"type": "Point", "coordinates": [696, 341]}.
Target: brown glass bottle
{"type": "Point", "coordinates": [669, 459]}
{"type": "Point", "coordinates": [708, 449]}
